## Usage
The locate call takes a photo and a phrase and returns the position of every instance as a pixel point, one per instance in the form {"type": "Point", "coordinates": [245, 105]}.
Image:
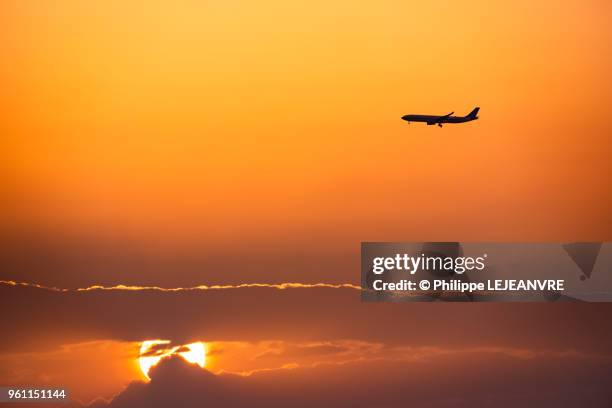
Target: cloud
{"type": "Point", "coordinates": [311, 349]}
{"type": "Point", "coordinates": [42, 319]}
{"type": "Point", "coordinates": [121, 287]}
{"type": "Point", "coordinates": [459, 379]}
{"type": "Point", "coordinates": [114, 363]}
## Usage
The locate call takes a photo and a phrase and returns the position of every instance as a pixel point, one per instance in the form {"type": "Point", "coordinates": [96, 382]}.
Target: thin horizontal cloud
{"type": "Point", "coordinates": [280, 286]}
{"type": "Point", "coordinates": [273, 355]}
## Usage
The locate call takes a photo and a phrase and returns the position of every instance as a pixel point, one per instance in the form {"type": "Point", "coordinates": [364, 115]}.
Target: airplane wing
{"type": "Point", "coordinates": [439, 120]}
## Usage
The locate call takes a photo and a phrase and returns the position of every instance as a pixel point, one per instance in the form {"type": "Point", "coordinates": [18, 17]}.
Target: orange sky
{"type": "Point", "coordinates": [268, 120]}
{"type": "Point", "coordinates": [184, 143]}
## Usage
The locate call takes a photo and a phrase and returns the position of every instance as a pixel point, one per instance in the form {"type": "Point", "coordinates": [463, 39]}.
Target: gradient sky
{"type": "Point", "coordinates": [200, 129]}
{"type": "Point", "coordinates": [225, 142]}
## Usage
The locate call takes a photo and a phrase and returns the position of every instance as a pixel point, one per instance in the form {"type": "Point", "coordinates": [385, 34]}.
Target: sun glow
{"type": "Point", "coordinates": [152, 351]}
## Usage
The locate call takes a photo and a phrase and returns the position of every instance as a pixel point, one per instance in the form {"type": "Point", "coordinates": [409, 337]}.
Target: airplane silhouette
{"type": "Point", "coordinates": [439, 120]}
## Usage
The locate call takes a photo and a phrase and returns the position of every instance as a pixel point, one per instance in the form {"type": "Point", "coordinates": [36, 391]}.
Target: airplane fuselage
{"type": "Point", "coordinates": [435, 119]}
{"type": "Point", "coordinates": [440, 119]}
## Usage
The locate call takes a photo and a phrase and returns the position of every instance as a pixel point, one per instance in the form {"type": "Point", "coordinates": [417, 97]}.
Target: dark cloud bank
{"type": "Point", "coordinates": [471, 380]}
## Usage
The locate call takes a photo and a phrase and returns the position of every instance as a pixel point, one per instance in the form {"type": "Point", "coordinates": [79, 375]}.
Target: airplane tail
{"type": "Point", "coordinates": [472, 114]}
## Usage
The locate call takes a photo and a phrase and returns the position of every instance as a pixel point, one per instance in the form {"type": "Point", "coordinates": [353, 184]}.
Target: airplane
{"type": "Point", "coordinates": [439, 120]}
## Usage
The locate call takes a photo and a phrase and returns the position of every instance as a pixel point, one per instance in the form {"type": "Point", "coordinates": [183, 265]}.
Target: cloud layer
{"type": "Point", "coordinates": [436, 380]}
{"type": "Point", "coordinates": [40, 318]}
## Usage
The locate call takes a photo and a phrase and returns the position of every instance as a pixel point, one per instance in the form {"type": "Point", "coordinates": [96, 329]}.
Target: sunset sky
{"type": "Point", "coordinates": [172, 144]}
